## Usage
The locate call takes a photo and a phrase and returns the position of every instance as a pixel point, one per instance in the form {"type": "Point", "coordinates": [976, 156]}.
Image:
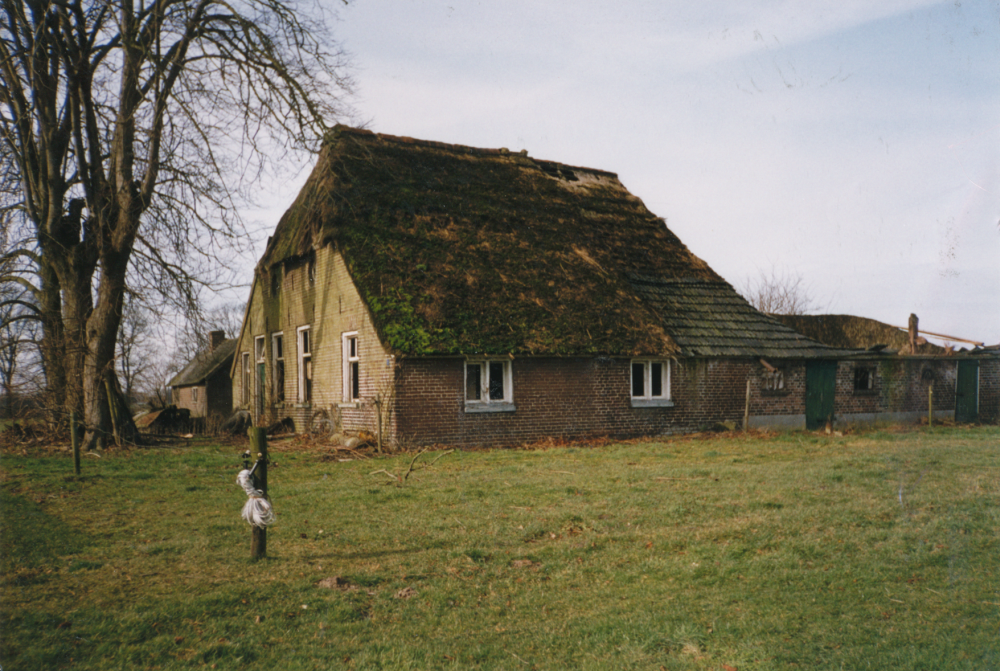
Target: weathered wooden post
{"type": "Point", "coordinates": [746, 410]}
{"type": "Point", "coordinates": [74, 437]}
{"type": "Point", "coordinates": [258, 535]}
{"type": "Point", "coordinates": [930, 405]}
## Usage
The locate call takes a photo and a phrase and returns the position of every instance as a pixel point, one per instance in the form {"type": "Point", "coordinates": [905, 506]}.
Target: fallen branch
{"type": "Point", "coordinates": [399, 480]}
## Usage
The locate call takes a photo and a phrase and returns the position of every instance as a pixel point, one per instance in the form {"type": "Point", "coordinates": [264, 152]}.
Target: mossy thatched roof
{"type": "Point", "coordinates": [206, 362]}
{"type": "Point", "coordinates": [463, 250]}
{"type": "Point", "coordinates": [854, 332]}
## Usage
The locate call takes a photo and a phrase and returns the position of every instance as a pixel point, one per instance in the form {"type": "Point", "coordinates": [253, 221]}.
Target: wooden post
{"type": "Point", "coordinates": [746, 410]}
{"type": "Point", "coordinates": [378, 407]}
{"type": "Point", "coordinates": [258, 445]}
{"type": "Point", "coordinates": [74, 437]}
{"type": "Point", "coordinates": [930, 405]}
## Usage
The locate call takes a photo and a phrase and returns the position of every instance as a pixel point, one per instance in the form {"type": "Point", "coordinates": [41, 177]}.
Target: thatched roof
{"type": "Point", "coordinates": [201, 367]}
{"type": "Point", "coordinates": [463, 250]}
{"type": "Point", "coordinates": [854, 332]}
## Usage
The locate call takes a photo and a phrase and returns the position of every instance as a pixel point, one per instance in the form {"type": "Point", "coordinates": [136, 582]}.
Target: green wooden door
{"type": "Point", "coordinates": [821, 383]}
{"type": "Point", "coordinates": [967, 392]}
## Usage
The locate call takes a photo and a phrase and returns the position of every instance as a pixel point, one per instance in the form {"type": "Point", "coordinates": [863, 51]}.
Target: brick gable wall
{"type": "Point", "coordinates": [330, 306]}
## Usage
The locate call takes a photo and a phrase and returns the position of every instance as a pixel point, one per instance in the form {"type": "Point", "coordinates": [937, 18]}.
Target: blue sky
{"type": "Point", "coordinates": [854, 143]}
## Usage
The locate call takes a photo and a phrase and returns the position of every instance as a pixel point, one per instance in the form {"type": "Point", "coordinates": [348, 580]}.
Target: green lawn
{"type": "Point", "coordinates": [797, 550]}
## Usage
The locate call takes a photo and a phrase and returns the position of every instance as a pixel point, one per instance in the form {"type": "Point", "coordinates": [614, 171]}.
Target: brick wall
{"type": "Point", "coordinates": [566, 398]}
{"type": "Point", "coordinates": [989, 390]}
{"type": "Point", "coordinates": [184, 398]}
{"type": "Point", "coordinates": [327, 302]}
{"type": "Point", "coordinates": [587, 397]}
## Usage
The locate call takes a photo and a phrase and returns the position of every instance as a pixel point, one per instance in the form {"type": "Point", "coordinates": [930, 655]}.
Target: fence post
{"type": "Point", "coordinates": [930, 405]}
{"type": "Point", "coordinates": [74, 438]}
{"type": "Point", "coordinates": [258, 444]}
{"type": "Point", "coordinates": [746, 410]}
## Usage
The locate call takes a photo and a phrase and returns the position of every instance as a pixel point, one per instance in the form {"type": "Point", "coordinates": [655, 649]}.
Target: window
{"type": "Point", "coordinates": [305, 364]}
{"type": "Point", "coordinates": [864, 379]}
{"type": "Point", "coordinates": [352, 366]}
{"type": "Point", "coordinates": [194, 394]}
{"type": "Point", "coordinates": [278, 355]}
{"type": "Point", "coordinates": [258, 348]}
{"type": "Point", "coordinates": [311, 271]}
{"type": "Point", "coordinates": [774, 380]}
{"type": "Point", "coordinates": [247, 378]}
{"type": "Point", "coordinates": [488, 386]}
{"type": "Point", "coordinates": [650, 383]}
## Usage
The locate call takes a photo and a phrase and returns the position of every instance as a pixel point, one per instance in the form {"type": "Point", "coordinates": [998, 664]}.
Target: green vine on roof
{"type": "Point", "coordinates": [403, 329]}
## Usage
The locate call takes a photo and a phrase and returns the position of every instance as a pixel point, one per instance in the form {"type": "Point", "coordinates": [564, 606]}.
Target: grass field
{"type": "Point", "coordinates": [795, 550]}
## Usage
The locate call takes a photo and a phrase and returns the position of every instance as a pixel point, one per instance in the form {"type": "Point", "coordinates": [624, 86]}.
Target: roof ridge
{"type": "Point", "coordinates": [464, 149]}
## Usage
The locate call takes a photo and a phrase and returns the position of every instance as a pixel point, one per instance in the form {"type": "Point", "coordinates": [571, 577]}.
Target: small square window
{"type": "Point", "coordinates": [488, 386]}
{"type": "Point", "coordinates": [650, 383]}
{"type": "Point", "coordinates": [774, 380]}
{"type": "Point", "coordinates": [864, 379]}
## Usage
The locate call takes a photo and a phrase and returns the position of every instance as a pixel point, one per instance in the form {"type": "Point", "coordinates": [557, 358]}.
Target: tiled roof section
{"type": "Point", "coordinates": [851, 331]}
{"type": "Point", "coordinates": [709, 318]}
{"type": "Point", "coordinates": [203, 365]}
{"type": "Point", "coordinates": [458, 250]}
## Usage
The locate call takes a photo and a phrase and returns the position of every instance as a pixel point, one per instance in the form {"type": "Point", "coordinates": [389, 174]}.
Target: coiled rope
{"type": "Point", "coordinates": [257, 510]}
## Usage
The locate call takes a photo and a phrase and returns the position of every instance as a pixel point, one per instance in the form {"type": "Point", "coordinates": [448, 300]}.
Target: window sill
{"type": "Point", "coordinates": [303, 405]}
{"type": "Point", "coordinates": [489, 407]}
{"type": "Point", "coordinates": [652, 403]}
{"type": "Point", "coordinates": [278, 406]}
{"type": "Point", "coordinates": [350, 404]}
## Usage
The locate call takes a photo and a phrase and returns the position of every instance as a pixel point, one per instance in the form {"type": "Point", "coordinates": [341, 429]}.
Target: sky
{"type": "Point", "coordinates": [853, 143]}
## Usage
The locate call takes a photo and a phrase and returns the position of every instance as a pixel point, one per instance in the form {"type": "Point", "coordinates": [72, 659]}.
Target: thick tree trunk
{"type": "Point", "coordinates": [53, 346]}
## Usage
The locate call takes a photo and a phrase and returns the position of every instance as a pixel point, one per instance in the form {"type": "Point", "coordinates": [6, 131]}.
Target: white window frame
{"type": "Point", "coordinates": [303, 336]}
{"type": "Point", "coordinates": [351, 366]}
{"type": "Point", "coordinates": [648, 399]}
{"type": "Point", "coordinates": [484, 403]}
{"type": "Point", "coordinates": [278, 361]}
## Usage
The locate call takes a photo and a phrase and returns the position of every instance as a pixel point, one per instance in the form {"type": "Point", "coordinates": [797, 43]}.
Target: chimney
{"type": "Point", "coordinates": [215, 338]}
{"type": "Point", "coordinates": [914, 333]}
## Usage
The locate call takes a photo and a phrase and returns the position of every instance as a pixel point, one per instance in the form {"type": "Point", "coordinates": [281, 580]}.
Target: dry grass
{"type": "Point", "coordinates": [759, 552]}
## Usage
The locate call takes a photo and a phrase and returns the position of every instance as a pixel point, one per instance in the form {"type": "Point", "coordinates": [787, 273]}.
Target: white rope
{"type": "Point", "coordinates": [257, 510]}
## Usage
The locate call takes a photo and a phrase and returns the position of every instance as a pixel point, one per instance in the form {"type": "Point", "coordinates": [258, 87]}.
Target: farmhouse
{"type": "Point", "coordinates": [203, 386]}
{"type": "Point", "coordinates": [435, 293]}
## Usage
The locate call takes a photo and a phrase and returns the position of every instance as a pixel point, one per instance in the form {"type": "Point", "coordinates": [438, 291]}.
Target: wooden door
{"type": "Point", "coordinates": [821, 385]}
{"type": "Point", "coordinates": [967, 392]}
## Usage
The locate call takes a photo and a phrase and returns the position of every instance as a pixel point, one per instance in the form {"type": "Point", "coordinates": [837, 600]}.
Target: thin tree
{"type": "Point", "coordinates": [129, 125]}
{"type": "Point", "coordinates": [779, 293]}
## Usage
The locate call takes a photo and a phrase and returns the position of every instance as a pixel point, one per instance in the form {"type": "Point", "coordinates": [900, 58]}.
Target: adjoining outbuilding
{"type": "Point", "coordinates": [203, 386]}
{"type": "Point", "coordinates": [436, 293]}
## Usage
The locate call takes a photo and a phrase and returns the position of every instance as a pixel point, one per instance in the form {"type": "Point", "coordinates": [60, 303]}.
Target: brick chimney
{"type": "Point", "coordinates": [215, 338]}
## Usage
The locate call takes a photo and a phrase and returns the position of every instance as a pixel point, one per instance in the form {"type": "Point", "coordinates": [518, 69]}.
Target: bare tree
{"type": "Point", "coordinates": [779, 293]}
{"type": "Point", "coordinates": [130, 126]}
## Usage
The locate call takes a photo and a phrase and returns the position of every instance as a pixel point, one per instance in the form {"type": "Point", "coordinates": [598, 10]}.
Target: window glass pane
{"type": "Point", "coordinates": [308, 379]}
{"type": "Point", "coordinates": [305, 342]}
{"type": "Point", "coordinates": [279, 382]}
{"type": "Point", "coordinates": [496, 381]}
{"type": "Point", "coordinates": [472, 381]}
{"type": "Point", "coordinates": [638, 388]}
{"type": "Point", "coordinates": [353, 345]}
{"type": "Point", "coordinates": [355, 382]}
{"type": "Point", "coordinates": [656, 376]}
{"type": "Point", "coordinates": [278, 348]}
